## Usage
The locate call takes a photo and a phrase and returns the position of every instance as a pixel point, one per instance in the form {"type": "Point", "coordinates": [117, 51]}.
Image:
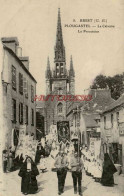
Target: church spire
{"type": "Point", "coordinates": [59, 47]}
{"type": "Point", "coordinates": [48, 70]}
{"type": "Point", "coordinates": [71, 71]}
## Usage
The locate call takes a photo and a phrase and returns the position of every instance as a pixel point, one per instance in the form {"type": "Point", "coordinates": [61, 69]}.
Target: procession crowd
{"type": "Point", "coordinates": [63, 158]}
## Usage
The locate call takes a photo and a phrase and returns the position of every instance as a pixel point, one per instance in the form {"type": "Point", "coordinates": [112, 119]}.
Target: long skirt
{"type": "Point", "coordinates": [29, 184]}
{"type": "Point", "coordinates": [107, 179]}
{"type": "Point", "coordinates": [10, 164]}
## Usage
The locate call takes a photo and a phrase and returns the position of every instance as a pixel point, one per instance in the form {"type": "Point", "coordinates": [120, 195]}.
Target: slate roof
{"type": "Point", "coordinates": [115, 104]}
{"type": "Point", "coordinates": [90, 120]}
{"type": "Point", "coordinates": [101, 98]}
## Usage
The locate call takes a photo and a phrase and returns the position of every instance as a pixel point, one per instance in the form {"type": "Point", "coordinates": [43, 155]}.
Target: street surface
{"type": "Point", "coordinates": [10, 185]}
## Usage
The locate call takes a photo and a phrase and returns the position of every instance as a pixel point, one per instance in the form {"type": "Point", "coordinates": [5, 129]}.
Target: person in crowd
{"type": "Point", "coordinates": [76, 168]}
{"type": "Point", "coordinates": [21, 159]}
{"type": "Point", "coordinates": [98, 173]}
{"type": "Point", "coordinates": [40, 151]}
{"type": "Point", "coordinates": [28, 173]}
{"type": "Point", "coordinates": [69, 154]}
{"type": "Point", "coordinates": [43, 167]}
{"type": "Point", "coordinates": [5, 160]}
{"type": "Point", "coordinates": [53, 155]}
{"type": "Point", "coordinates": [10, 160]}
{"type": "Point", "coordinates": [108, 171]}
{"type": "Point", "coordinates": [61, 163]}
{"type": "Point", "coordinates": [47, 149]}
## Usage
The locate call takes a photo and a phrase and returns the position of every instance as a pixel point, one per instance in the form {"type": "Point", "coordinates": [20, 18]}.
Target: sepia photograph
{"type": "Point", "coordinates": [62, 97]}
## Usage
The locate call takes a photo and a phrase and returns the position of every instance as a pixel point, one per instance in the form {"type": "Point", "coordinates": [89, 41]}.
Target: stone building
{"type": "Point", "coordinates": [19, 88]}
{"type": "Point", "coordinates": [59, 81]}
{"type": "Point", "coordinates": [84, 117]}
{"type": "Point", "coordinates": [112, 130]}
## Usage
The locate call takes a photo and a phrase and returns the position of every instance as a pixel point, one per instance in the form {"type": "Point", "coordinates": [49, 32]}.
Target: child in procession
{"type": "Point", "coordinates": [43, 166]}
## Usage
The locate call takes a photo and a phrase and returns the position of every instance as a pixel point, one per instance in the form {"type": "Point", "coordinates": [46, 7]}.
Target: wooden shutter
{"type": "Point", "coordinates": [26, 114]}
{"type": "Point", "coordinates": [25, 86]}
{"type": "Point", "coordinates": [26, 95]}
{"type": "Point", "coordinates": [13, 77]}
{"type": "Point", "coordinates": [20, 83]}
{"type": "Point", "coordinates": [15, 110]}
{"type": "Point", "coordinates": [21, 113]}
{"type": "Point", "coordinates": [32, 111]}
{"type": "Point", "coordinates": [32, 93]}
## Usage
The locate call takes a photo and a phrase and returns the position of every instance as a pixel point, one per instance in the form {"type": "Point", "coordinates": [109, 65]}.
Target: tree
{"type": "Point", "coordinates": [115, 84]}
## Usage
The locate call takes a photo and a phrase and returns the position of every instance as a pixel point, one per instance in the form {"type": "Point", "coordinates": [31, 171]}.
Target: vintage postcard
{"type": "Point", "coordinates": [62, 97]}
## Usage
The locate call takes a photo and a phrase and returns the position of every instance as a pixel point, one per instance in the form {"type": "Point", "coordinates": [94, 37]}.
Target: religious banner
{"type": "Point", "coordinates": [63, 131]}
{"type": "Point", "coordinates": [92, 144]}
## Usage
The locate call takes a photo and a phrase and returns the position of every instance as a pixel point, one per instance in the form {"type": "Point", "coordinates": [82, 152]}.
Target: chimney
{"type": "Point", "coordinates": [11, 42]}
{"type": "Point", "coordinates": [19, 51]}
{"type": "Point", "coordinates": [25, 61]}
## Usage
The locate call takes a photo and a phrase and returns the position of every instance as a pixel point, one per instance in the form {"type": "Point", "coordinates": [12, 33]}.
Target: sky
{"type": "Point", "coordinates": [34, 22]}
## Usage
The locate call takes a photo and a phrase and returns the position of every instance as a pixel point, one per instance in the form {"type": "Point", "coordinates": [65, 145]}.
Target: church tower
{"type": "Point", "coordinates": [48, 77]}
{"type": "Point", "coordinates": [59, 81]}
{"type": "Point", "coordinates": [71, 78]}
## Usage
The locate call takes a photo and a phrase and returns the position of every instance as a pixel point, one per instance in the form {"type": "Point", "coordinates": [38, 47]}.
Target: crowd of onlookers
{"type": "Point", "coordinates": [12, 162]}
{"type": "Point", "coordinates": [62, 157]}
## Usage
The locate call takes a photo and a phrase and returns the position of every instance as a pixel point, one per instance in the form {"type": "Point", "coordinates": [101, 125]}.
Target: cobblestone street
{"type": "Point", "coordinates": [47, 183]}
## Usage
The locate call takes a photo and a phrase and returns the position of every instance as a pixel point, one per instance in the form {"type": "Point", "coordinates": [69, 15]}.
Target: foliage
{"type": "Point", "coordinates": [115, 84]}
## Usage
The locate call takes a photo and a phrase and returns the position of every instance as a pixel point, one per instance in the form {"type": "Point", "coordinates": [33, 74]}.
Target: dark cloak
{"type": "Point", "coordinates": [40, 151]}
{"type": "Point", "coordinates": [108, 170]}
{"type": "Point", "coordinates": [29, 182]}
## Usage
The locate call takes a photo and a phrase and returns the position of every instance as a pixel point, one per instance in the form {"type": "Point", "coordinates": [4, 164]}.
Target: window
{"type": "Point", "coordinates": [32, 93]}
{"type": "Point", "coordinates": [112, 120]}
{"type": "Point", "coordinates": [104, 122]}
{"type": "Point", "coordinates": [117, 117]}
{"type": "Point", "coordinates": [26, 114]}
{"type": "Point", "coordinates": [32, 117]}
{"type": "Point", "coordinates": [59, 108]}
{"type": "Point", "coordinates": [14, 110]}
{"type": "Point", "coordinates": [21, 83]}
{"type": "Point", "coordinates": [57, 69]}
{"type": "Point", "coordinates": [13, 77]}
{"type": "Point", "coordinates": [26, 88]}
{"type": "Point", "coordinates": [21, 113]}
{"type": "Point", "coordinates": [61, 68]}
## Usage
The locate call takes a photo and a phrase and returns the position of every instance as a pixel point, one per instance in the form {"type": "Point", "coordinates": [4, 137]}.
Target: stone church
{"type": "Point", "coordinates": [59, 81]}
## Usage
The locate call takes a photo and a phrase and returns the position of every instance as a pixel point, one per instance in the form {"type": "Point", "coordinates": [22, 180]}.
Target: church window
{"type": "Point", "coordinates": [57, 69]}
{"type": "Point", "coordinates": [59, 108]}
{"type": "Point", "coordinates": [61, 68]}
